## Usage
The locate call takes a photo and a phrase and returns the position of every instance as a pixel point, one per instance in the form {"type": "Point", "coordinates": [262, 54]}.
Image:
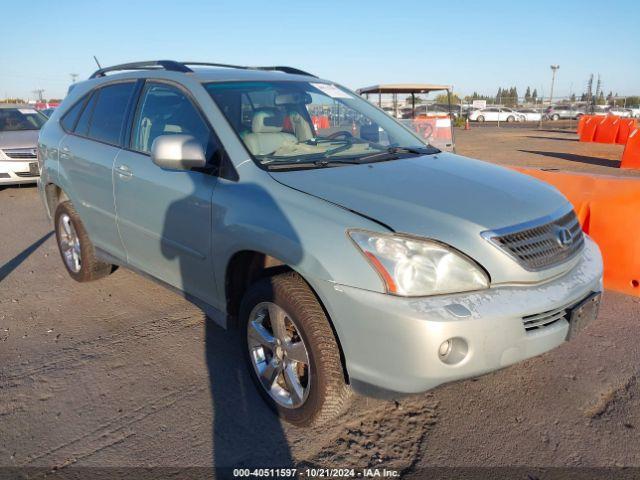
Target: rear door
{"type": "Point", "coordinates": [87, 154]}
{"type": "Point", "coordinates": [164, 216]}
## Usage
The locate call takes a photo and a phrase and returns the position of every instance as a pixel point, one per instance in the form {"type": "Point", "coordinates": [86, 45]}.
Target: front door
{"type": "Point", "coordinates": [164, 216]}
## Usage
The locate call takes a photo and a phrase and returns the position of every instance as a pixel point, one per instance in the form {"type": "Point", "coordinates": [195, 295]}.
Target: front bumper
{"type": "Point", "coordinates": [15, 172]}
{"type": "Point", "coordinates": [391, 343]}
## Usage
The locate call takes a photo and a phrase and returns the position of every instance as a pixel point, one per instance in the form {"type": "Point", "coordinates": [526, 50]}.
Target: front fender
{"type": "Point", "coordinates": [304, 232]}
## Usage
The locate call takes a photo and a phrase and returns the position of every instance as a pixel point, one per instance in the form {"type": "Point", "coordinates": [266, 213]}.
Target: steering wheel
{"type": "Point", "coordinates": [341, 133]}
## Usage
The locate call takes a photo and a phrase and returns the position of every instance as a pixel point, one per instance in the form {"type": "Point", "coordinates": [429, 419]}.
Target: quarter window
{"type": "Point", "coordinates": [82, 127]}
{"type": "Point", "coordinates": [166, 110]}
{"type": "Point", "coordinates": [71, 117]}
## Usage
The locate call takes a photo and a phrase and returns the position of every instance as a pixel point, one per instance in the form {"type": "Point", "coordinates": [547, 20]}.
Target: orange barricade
{"type": "Point", "coordinates": [581, 122]}
{"type": "Point", "coordinates": [589, 129]}
{"type": "Point", "coordinates": [626, 127]}
{"type": "Point", "coordinates": [608, 208]}
{"type": "Point", "coordinates": [607, 130]}
{"type": "Point", "coordinates": [631, 153]}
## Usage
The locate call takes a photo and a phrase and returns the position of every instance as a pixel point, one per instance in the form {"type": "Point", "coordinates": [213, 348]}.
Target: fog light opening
{"type": "Point", "coordinates": [453, 350]}
{"type": "Point", "coordinates": [635, 283]}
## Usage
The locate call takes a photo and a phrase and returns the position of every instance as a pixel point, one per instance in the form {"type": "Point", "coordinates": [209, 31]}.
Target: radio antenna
{"type": "Point", "coordinates": [97, 62]}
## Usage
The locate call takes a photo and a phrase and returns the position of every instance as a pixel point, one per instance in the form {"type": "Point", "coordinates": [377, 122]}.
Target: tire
{"type": "Point", "coordinates": [480, 118]}
{"type": "Point", "coordinates": [88, 267]}
{"type": "Point", "coordinates": [555, 117]}
{"type": "Point", "coordinates": [510, 118]}
{"type": "Point", "coordinates": [326, 393]}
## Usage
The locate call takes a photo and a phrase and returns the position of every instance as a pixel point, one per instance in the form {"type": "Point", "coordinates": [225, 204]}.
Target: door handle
{"type": "Point", "coordinates": [124, 171]}
{"type": "Point", "coordinates": [64, 152]}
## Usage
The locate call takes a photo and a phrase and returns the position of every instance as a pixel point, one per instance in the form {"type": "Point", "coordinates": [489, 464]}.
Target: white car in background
{"type": "Point", "coordinates": [620, 112]}
{"type": "Point", "coordinates": [635, 111]}
{"type": "Point", "coordinates": [530, 114]}
{"type": "Point", "coordinates": [496, 114]}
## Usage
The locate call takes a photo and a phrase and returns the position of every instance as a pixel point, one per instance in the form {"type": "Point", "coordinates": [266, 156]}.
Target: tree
{"type": "Point", "coordinates": [408, 100]}
{"type": "Point", "coordinates": [527, 95]}
{"type": "Point", "coordinates": [601, 100]}
{"type": "Point", "coordinates": [455, 99]}
{"type": "Point", "coordinates": [573, 97]}
{"type": "Point", "coordinates": [534, 95]}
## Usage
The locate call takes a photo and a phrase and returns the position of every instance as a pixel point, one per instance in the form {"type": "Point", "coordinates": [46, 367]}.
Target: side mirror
{"type": "Point", "coordinates": [177, 152]}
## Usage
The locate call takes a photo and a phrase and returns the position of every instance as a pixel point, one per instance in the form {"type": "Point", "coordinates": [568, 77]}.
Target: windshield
{"type": "Point", "coordinates": [284, 123]}
{"type": "Point", "coordinates": [16, 119]}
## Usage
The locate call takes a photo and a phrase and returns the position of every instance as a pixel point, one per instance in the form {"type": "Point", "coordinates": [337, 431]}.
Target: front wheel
{"type": "Point", "coordinates": [555, 117]}
{"type": "Point", "coordinates": [510, 118]}
{"type": "Point", "coordinates": [292, 352]}
{"type": "Point", "coordinates": [480, 118]}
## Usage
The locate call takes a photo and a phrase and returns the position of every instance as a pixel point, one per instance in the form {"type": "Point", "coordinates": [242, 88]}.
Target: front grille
{"type": "Point", "coordinates": [541, 244]}
{"type": "Point", "coordinates": [20, 153]}
{"type": "Point", "coordinates": [540, 320]}
{"type": "Point", "coordinates": [26, 174]}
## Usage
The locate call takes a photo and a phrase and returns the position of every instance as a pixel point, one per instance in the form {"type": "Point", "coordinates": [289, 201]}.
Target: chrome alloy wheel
{"type": "Point", "coordinates": [278, 355]}
{"type": "Point", "coordinates": [69, 243]}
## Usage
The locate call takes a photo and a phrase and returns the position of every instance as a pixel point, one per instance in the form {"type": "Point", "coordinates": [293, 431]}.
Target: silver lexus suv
{"type": "Point", "coordinates": [350, 255]}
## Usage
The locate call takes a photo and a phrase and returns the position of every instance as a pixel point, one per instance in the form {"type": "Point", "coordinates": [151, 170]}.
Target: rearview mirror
{"type": "Point", "coordinates": [177, 152]}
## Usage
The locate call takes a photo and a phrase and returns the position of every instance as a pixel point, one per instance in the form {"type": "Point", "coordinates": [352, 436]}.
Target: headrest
{"type": "Point", "coordinates": [267, 120]}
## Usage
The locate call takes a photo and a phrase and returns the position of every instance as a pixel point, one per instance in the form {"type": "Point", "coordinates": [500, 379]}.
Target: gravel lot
{"type": "Point", "coordinates": [122, 372]}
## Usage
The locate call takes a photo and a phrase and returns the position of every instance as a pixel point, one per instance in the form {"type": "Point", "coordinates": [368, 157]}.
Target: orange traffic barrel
{"type": "Point", "coordinates": [589, 129]}
{"type": "Point", "coordinates": [631, 153]}
{"type": "Point", "coordinates": [607, 130]}
{"type": "Point", "coordinates": [626, 127]}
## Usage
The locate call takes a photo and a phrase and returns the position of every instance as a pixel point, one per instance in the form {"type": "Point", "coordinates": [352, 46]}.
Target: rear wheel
{"type": "Point", "coordinates": [480, 118]}
{"type": "Point", "coordinates": [76, 249]}
{"type": "Point", "coordinates": [292, 352]}
{"type": "Point", "coordinates": [555, 117]}
{"type": "Point", "coordinates": [510, 118]}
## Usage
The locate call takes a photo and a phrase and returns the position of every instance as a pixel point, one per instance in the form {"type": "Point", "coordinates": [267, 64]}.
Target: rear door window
{"type": "Point", "coordinates": [109, 112]}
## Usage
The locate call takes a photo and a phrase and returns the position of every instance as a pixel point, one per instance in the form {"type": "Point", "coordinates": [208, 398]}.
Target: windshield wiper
{"type": "Point", "coordinates": [324, 162]}
{"type": "Point", "coordinates": [394, 152]}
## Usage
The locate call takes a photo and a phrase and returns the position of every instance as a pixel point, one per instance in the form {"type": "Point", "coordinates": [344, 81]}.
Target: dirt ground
{"type": "Point", "coordinates": [122, 372]}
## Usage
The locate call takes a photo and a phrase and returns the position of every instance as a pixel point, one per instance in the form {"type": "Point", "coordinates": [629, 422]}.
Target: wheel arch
{"type": "Point", "coordinates": [245, 267]}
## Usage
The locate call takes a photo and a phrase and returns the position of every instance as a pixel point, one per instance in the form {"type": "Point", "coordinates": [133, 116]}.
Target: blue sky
{"type": "Point", "coordinates": [471, 44]}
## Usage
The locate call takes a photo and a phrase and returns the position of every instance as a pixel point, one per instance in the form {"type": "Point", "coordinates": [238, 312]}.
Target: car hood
{"type": "Point", "coordinates": [19, 139]}
{"type": "Point", "coordinates": [412, 195]}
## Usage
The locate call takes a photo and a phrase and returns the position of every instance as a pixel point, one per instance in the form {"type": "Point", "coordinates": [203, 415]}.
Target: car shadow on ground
{"type": "Point", "coordinates": [246, 433]}
{"type": "Point", "coordinates": [12, 264]}
{"type": "Point", "coordinates": [572, 157]}
{"type": "Point", "coordinates": [552, 138]}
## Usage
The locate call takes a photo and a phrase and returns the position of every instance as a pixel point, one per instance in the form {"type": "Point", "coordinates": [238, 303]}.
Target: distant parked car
{"type": "Point", "coordinates": [620, 112]}
{"type": "Point", "coordinates": [19, 128]}
{"type": "Point", "coordinates": [496, 114]}
{"type": "Point", "coordinates": [47, 112]}
{"type": "Point", "coordinates": [635, 111]}
{"type": "Point", "coordinates": [563, 112]}
{"type": "Point", "coordinates": [433, 109]}
{"type": "Point", "coordinates": [530, 114]}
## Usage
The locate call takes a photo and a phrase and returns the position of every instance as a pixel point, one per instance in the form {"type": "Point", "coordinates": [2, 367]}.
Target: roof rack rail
{"type": "Point", "coordinates": [279, 68]}
{"type": "Point", "coordinates": [169, 65]}
{"type": "Point", "coordinates": [174, 66]}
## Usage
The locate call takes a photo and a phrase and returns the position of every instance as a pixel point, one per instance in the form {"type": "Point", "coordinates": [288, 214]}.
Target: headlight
{"type": "Point", "coordinates": [415, 267]}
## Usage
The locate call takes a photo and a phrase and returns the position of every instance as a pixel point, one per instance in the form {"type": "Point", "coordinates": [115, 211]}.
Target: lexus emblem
{"type": "Point", "coordinates": [564, 237]}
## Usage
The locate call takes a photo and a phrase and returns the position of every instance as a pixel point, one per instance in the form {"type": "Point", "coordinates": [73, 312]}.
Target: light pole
{"type": "Point", "coordinates": [553, 80]}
